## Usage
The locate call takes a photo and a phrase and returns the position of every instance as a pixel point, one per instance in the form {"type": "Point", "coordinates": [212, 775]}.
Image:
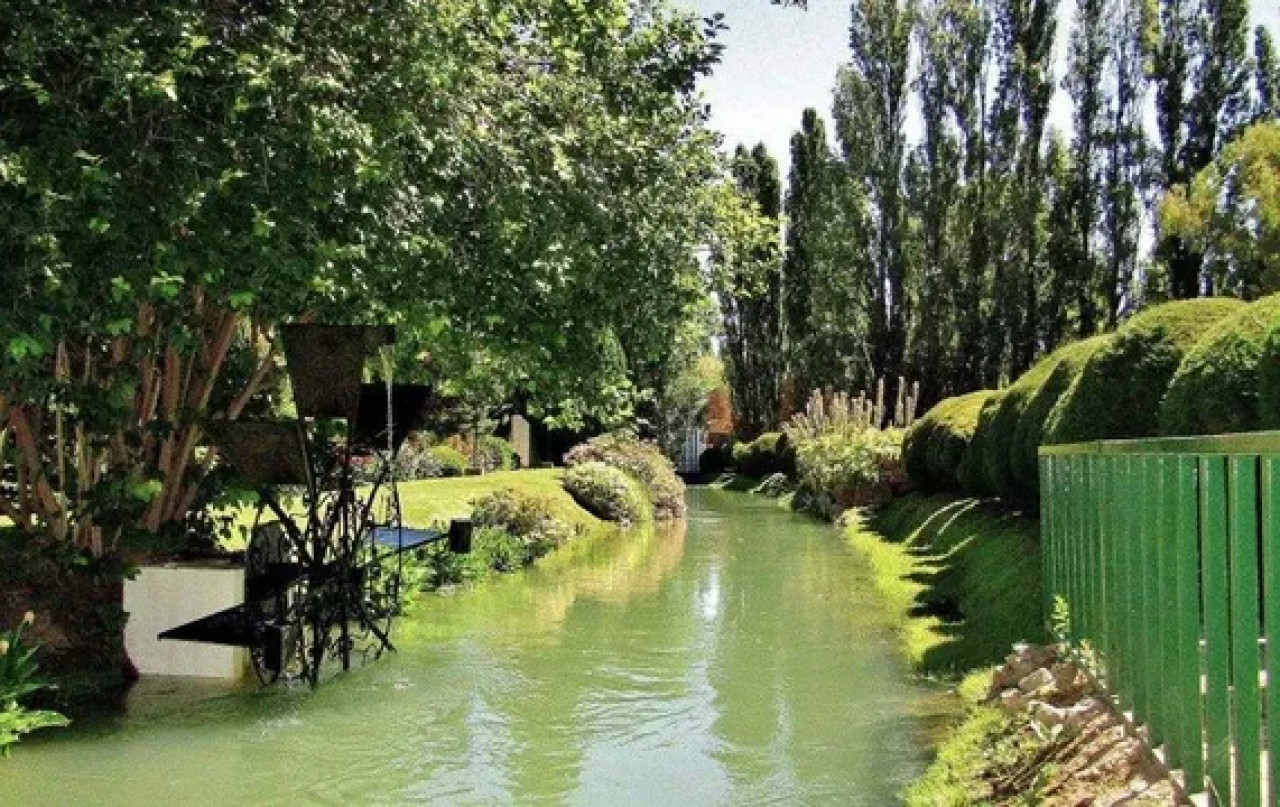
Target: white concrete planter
{"type": "Point", "coordinates": [163, 597]}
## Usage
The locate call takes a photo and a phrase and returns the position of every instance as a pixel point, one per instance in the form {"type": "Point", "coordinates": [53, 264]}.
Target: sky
{"type": "Point", "coordinates": [780, 60]}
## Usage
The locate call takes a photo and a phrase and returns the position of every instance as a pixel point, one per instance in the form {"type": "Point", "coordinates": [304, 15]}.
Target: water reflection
{"type": "Point", "coordinates": [741, 661]}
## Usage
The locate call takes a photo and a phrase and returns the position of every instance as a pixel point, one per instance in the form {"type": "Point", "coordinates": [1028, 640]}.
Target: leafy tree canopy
{"type": "Point", "coordinates": [508, 179]}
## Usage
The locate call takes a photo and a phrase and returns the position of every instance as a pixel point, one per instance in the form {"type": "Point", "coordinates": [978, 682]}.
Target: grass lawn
{"type": "Point", "coordinates": [430, 500]}
{"type": "Point", "coordinates": [964, 576]}
{"type": "Point", "coordinates": [436, 500]}
{"type": "Point", "coordinates": [440, 499]}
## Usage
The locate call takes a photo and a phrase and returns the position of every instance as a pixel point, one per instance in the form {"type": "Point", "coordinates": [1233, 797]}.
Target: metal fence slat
{"type": "Point", "coordinates": [1215, 581]}
{"type": "Point", "coordinates": [1190, 746]}
{"type": "Point", "coordinates": [1245, 633]}
{"type": "Point", "coordinates": [1271, 610]}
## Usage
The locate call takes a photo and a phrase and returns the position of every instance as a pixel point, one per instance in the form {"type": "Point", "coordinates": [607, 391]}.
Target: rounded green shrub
{"type": "Point", "coordinates": [607, 492]}
{"type": "Point", "coordinates": [644, 461]}
{"type": "Point", "coordinates": [528, 517]}
{"type": "Point", "coordinates": [1117, 393]}
{"type": "Point", "coordinates": [972, 472]}
{"type": "Point", "coordinates": [495, 454]}
{"type": "Point", "coordinates": [1216, 387]}
{"type": "Point", "coordinates": [935, 444]}
{"type": "Point", "coordinates": [1023, 480]}
{"type": "Point", "coordinates": [1011, 425]}
{"type": "Point", "coordinates": [450, 461]}
{"type": "Point", "coordinates": [770, 453]}
{"type": "Point", "coordinates": [838, 471]}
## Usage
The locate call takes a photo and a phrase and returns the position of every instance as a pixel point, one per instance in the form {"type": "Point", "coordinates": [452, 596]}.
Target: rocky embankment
{"type": "Point", "coordinates": [1078, 751]}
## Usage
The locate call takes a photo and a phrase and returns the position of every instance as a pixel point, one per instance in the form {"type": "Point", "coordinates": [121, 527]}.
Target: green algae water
{"type": "Point", "coordinates": [739, 659]}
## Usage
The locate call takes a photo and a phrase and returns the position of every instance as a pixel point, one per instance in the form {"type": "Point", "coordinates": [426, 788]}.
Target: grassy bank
{"type": "Point", "coordinates": [430, 500]}
{"type": "Point", "coordinates": [427, 501]}
{"type": "Point", "coordinates": [962, 576]}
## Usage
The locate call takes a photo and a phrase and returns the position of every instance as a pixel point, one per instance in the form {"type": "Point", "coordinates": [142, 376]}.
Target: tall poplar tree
{"type": "Point", "coordinates": [750, 301]}
{"type": "Point", "coordinates": [1200, 68]}
{"type": "Point", "coordinates": [1078, 271]}
{"type": "Point", "coordinates": [807, 186]}
{"type": "Point", "coordinates": [1126, 154]}
{"type": "Point", "coordinates": [871, 106]}
{"type": "Point", "coordinates": [1266, 76]}
{"type": "Point", "coordinates": [939, 273]}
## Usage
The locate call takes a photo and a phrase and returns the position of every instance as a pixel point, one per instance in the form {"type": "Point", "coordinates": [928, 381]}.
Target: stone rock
{"type": "Point", "coordinates": [1011, 700]}
{"type": "Point", "coordinates": [1038, 682]}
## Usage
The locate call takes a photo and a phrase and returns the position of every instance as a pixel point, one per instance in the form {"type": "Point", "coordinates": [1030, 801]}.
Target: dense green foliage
{"type": "Point", "coordinates": [1216, 387]}
{"type": "Point", "coordinates": [960, 250]}
{"type": "Point", "coordinates": [18, 680]}
{"type": "Point", "coordinates": [519, 185]}
{"type": "Point", "coordinates": [1007, 439]}
{"type": "Point", "coordinates": [1230, 212]}
{"type": "Point", "coordinates": [607, 492]}
{"type": "Point", "coordinates": [935, 445]}
{"type": "Point", "coordinates": [770, 453]}
{"type": "Point", "coordinates": [644, 461]}
{"type": "Point", "coordinates": [1117, 394]}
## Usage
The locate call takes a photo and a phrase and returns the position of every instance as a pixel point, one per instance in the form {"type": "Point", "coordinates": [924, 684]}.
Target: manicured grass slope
{"type": "Point", "coordinates": [440, 499]}
{"type": "Point", "coordinates": [963, 576]}
{"type": "Point", "coordinates": [436, 500]}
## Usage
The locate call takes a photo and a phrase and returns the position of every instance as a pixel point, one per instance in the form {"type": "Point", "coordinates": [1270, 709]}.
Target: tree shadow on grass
{"type": "Point", "coordinates": [978, 566]}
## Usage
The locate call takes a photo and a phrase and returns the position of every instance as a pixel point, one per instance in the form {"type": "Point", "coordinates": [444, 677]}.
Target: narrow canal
{"type": "Point", "coordinates": [740, 660]}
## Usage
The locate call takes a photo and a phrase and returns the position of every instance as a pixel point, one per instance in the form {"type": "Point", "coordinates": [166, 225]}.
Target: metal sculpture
{"type": "Point", "coordinates": [325, 560]}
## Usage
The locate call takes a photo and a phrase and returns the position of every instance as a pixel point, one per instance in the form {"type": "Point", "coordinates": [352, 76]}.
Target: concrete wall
{"type": "Point", "coordinates": [163, 597]}
{"type": "Point", "coordinates": [522, 440]}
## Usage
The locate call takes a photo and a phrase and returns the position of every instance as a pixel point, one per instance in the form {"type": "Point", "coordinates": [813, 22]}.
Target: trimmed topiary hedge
{"type": "Point", "coordinates": [607, 492]}
{"type": "Point", "coordinates": [1269, 381]}
{"type": "Point", "coordinates": [1023, 481]}
{"type": "Point", "coordinates": [935, 445]}
{"type": "Point", "coordinates": [1116, 395]}
{"type": "Point", "coordinates": [1216, 387]}
{"type": "Point", "coordinates": [972, 473]}
{"type": "Point", "coordinates": [1002, 456]}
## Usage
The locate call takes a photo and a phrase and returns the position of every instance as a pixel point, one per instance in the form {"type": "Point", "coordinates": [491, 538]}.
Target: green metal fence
{"type": "Point", "coordinates": [1167, 552]}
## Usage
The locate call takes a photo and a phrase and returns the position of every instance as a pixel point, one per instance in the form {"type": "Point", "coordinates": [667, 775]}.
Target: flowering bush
{"type": "Point", "coordinates": [415, 460]}
{"type": "Point", "coordinates": [839, 471]}
{"type": "Point", "coordinates": [606, 492]}
{"type": "Point", "coordinates": [530, 518]}
{"type": "Point", "coordinates": [644, 461]}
